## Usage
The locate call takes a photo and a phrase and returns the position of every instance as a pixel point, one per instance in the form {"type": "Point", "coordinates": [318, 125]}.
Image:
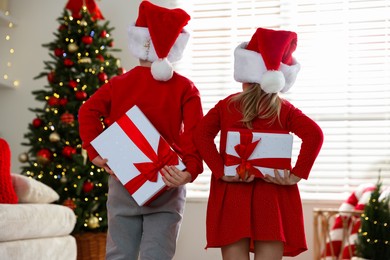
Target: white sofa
{"type": "Point", "coordinates": [35, 228]}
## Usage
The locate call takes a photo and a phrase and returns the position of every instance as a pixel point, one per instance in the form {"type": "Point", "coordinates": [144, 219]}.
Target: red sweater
{"type": "Point", "coordinates": [173, 107]}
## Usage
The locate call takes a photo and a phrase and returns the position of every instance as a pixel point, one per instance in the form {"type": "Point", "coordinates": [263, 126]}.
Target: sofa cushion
{"type": "Point", "coordinates": [27, 221]}
{"type": "Point", "coordinates": [30, 190]}
{"type": "Point", "coordinates": [7, 192]}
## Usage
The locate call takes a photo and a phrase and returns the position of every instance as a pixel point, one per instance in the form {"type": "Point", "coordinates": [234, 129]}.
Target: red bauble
{"type": "Point", "coordinates": [68, 62]}
{"type": "Point", "coordinates": [87, 40]}
{"type": "Point", "coordinates": [103, 34]}
{"type": "Point", "coordinates": [51, 77]}
{"type": "Point", "coordinates": [100, 57]}
{"type": "Point", "coordinates": [81, 95]}
{"type": "Point", "coordinates": [67, 118]}
{"type": "Point", "coordinates": [44, 156]}
{"type": "Point", "coordinates": [68, 151]}
{"type": "Point", "coordinates": [63, 101]}
{"type": "Point", "coordinates": [62, 27]}
{"type": "Point", "coordinates": [59, 52]}
{"type": "Point", "coordinates": [69, 203]}
{"type": "Point", "coordinates": [88, 186]}
{"type": "Point", "coordinates": [53, 101]}
{"type": "Point", "coordinates": [72, 84]}
{"type": "Point", "coordinates": [102, 76]}
{"type": "Point", "coordinates": [37, 122]}
{"type": "Point", "coordinates": [111, 44]}
{"type": "Point", "coordinates": [121, 71]}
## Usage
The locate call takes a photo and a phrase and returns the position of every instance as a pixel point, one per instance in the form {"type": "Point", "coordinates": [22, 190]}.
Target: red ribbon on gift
{"type": "Point", "coordinates": [148, 170]}
{"type": "Point", "coordinates": [244, 150]}
{"type": "Point", "coordinates": [76, 5]}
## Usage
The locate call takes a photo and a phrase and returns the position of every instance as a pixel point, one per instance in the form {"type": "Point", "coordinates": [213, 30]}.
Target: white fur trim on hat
{"type": "Point", "coordinates": [141, 45]}
{"type": "Point", "coordinates": [249, 67]}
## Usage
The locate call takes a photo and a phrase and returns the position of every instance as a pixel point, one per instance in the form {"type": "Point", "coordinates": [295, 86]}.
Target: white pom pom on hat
{"type": "Point", "coordinates": [267, 60]}
{"type": "Point", "coordinates": [158, 36]}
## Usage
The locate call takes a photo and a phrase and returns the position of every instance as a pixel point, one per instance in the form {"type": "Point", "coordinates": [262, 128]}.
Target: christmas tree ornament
{"type": "Point", "coordinates": [59, 52]}
{"type": "Point", "coordinates": [81, 95]}
{"type": "Point", "coordinates": [53, 101]}
{"type": "Point", "coordinates": [37, 122]}
{"type": "Point", "coordinates": [68, 62]}
{"type": "Point", "coordinates": [67, 118]}
{"type": "Point", "coordinates": [85, 60]}
{"type": "Point", "coordinates": [103, 34]}
{"type": "Point", "coordinates": [63, 101]}
{"type": "Point", "coordinates": [68, 151]}
{"type": "Point", "coordinates": [54, 137]}
{"type": "Point", "coordinates": [87, 40]}
{"type": "Point", "coordinates": [88, 186]}
{"type": "Point", "coordinates": [102, 76]}
{"type": "Point", "coordinates": [23, 157]}
{"type": "Point", "coordinates": [93, 222]}
{"type": "Point", "coordinates": [70, 204]}
{"type": "Point", "coordinates": [73, 47]}
{"type": "Point", "coordinates": [51, 77]}
{"type": "Point", "coordinates": [44, 156]}
{"type": "Point", "coordinates": [72, 84]}
{"type": "Point", "coordinates": [100, 57]}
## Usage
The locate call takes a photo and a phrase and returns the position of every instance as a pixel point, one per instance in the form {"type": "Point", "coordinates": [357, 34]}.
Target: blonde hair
{"type": "Point", "coordinates": [255, 103]}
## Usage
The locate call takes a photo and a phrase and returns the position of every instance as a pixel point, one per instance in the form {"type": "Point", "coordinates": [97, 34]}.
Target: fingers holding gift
{"type": "Point", "coordinates": [173, 177]}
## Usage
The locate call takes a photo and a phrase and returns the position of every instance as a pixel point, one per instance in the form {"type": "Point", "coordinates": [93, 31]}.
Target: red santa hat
{"type": "Point", "coordinates": [267, 60]}
{"type": "Point", "coordinates": [158, 36]}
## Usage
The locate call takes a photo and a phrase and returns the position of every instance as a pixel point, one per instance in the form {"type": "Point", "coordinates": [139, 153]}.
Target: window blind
{"type": "Point", "coordinates": [344, 83]}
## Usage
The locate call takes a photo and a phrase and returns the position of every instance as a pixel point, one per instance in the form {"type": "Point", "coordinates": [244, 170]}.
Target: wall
{"type": "Point", "coordinates": [36, 22]}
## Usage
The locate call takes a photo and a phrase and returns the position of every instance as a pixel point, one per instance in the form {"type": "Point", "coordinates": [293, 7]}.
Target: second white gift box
{"type": "Point", "coordinates": [257, 152]}
{"type": "Point", "coordinates": [136, 152]}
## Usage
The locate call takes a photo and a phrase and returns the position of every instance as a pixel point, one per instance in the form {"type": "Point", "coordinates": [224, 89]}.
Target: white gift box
{"type": "Point", "coordinates": [133, 142]}
{"type": "Point", "coordinates": [272, 151]}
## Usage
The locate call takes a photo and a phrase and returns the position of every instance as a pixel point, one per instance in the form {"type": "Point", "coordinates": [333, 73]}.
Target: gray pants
{"type": "Point", "coordinates": [146, 233]}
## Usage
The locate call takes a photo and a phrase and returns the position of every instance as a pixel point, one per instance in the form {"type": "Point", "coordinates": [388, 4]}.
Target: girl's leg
{"type": "Point", "coordinates": [268, 250]}
{"type": "Point", "coordinates": [236, 251]}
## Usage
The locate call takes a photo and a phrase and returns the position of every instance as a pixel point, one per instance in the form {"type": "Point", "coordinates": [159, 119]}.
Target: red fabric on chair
{"type": "Point", "coordinates": [7, 191]}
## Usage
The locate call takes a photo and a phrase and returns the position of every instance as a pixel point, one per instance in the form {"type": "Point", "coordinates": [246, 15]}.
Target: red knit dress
{"type": "Point", "coordinates": [256, 210]}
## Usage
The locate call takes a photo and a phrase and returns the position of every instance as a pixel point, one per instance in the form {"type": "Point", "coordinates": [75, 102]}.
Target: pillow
{"type": "Point", "coordinates": [7, 192]}
{"type": "Point", "coordinates": [30, 190]}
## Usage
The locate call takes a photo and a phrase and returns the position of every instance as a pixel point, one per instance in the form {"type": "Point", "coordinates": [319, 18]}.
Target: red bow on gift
{"type": "Point", "coordinates": [148, 170]}
{"type": "Point", "coordinates": [76, 5]}
{"type": "Point", "coordinates": [244, 150]}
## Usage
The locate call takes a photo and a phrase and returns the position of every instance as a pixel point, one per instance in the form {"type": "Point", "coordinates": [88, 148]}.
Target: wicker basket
{"type": "Point", "coordinates": [91, 246]}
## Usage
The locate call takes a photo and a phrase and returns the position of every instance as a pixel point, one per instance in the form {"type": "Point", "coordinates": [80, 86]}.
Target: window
{"type": "Point", "coordinates": [344, 83]}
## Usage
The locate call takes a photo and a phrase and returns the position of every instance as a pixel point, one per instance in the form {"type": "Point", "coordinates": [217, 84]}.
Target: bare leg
{"type": "Point", "coordinates": [236, 251]}
{"type": "Point", "coordinates": [268, 250]}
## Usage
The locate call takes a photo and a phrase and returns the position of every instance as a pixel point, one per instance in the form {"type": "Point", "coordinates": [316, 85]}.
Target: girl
{"type": "Point", "coordinates": [248, 214]}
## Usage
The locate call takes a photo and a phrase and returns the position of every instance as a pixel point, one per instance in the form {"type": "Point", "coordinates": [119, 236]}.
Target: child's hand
{"type": "Point", "coordinates": [287, 179]}
{"type": "Point", "coordinates": [174, 178]}
{"type": "Point", "coordinates": [102, 163]}
{"type": "Point", "coordinates": [237, 178]}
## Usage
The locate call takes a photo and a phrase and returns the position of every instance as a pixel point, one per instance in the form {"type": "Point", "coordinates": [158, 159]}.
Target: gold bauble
{"type": "Point", "coordinates": [54, 137]}
{"type": "Point", "coordinates": [72, 47]}
{"type": "Point", "coordinates": [85, 60]}
{"type": "Point", "coordinates": [93, 222]}
{"type": "Point", "coordinates": [23, 157]}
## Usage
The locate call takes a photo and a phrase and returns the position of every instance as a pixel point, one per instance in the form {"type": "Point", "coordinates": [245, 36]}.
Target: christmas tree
{"type": "Point", "coordinates": [374, 234]}
{"type": "Point", "coordinates": [81, 61]}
